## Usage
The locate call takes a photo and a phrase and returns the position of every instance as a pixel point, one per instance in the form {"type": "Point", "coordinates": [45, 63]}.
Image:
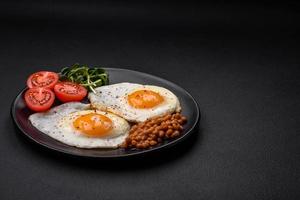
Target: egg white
{"type": "Point", "coordinates": [58, 124]}
{"type": "Point", "coordinates": [113, 98]}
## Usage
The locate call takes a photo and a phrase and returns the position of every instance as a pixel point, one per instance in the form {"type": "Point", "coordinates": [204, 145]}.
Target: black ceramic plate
{"type": "Point", "coordinates": [190, 109]}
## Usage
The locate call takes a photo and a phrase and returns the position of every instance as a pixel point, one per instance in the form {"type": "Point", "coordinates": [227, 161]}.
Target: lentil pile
{"type": "Point", "coordinates": [154, 131]}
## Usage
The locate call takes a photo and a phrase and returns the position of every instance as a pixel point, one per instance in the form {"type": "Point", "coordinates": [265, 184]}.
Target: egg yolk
{"type": "Point", "coordinates": [144, 99]}
{"type": "Point", "coordinates": [93, 124]}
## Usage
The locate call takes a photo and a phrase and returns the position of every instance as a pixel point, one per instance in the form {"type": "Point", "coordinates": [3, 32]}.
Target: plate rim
{"type": "Point", "coordinates": [146, 151]}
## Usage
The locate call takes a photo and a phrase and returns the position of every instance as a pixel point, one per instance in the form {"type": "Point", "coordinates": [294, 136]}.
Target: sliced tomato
{"type": "Point", "coordinates": [39, 99]}
{"type": "Point", "coordinates": [68, 91]}
{"type": "Point", "coordinates": [42, 79]}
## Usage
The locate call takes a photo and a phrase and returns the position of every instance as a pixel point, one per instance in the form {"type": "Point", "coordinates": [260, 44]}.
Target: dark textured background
{"type": "Point", "coordinates": [239, 60]}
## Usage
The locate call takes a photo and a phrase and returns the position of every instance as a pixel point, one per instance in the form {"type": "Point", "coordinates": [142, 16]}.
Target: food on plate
{"type": "Point", "coordinates": [75, 90]}
{"type": "Point", "coordinates": [39, 99]}
{"type": "Point", "coordinates": [153, 111]}
{"type": "Point", "coordinates": [44, 79]}
{"type": "Point", "coordinates": [75, 124]}
{"type": "Point", "coordinates": [154, 131]}
{"type": "Point", "coordinates": [68, 91]}
{"type": "Point", "coordinates": [85, 76]}
{"type": "Point", "coordinates": [135, 102]}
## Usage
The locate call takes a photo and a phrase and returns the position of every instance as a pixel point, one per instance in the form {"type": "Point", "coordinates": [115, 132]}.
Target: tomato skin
{"type": "Point", "coordinates": [68, 91]}
{"type": "Point", "coordinates": [39, 99]}
{"type": "Point", "coordinates": [45, 79]}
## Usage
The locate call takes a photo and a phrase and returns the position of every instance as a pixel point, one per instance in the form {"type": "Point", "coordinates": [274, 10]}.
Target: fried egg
{"type": "Point", "coordinates": [134, 102]}
{"type": "Point", "coordinates": [77, 125]}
